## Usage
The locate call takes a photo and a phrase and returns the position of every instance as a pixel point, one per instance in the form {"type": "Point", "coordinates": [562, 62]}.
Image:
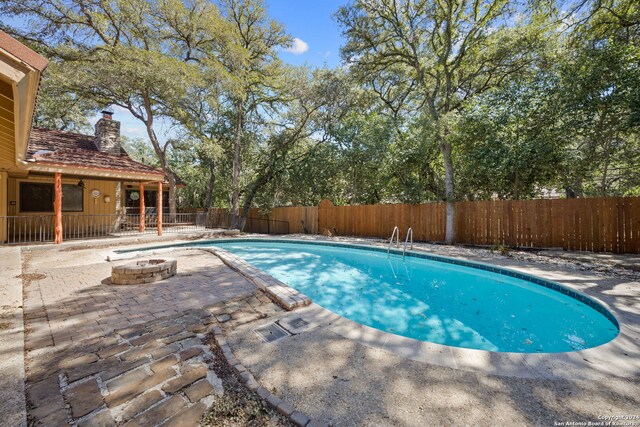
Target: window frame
{"type": "Point", "coordinates": [81, 198]}
{"type": "Point", "coordinates": [22, 187]}
{"type": "Point", "coordinates": [23, 184]}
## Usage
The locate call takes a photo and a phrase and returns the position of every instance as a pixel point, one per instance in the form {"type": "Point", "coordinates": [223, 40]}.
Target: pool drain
{"type": "Point", "coordinates": [271, 333]}
{"type": "Point", "coordinates": [296, 325]}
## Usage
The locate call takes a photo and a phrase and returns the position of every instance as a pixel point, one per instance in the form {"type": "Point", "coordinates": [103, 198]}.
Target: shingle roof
{"type": "Point", "coordinates": [50, 139]}
{"type": "Point", "coordinates": [23, 53]}
{"type": "Point", "coordinates": [54, 147]}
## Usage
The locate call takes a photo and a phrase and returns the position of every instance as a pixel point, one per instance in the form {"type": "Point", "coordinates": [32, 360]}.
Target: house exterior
{"type": "Point", "coordinates": [56, 185]}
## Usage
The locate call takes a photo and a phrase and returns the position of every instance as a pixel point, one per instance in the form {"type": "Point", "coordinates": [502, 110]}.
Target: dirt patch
{"type": "Point", "coordinates": [5, 325]}
{"type": "Point", "coordinates": [28, 277]}
{"type": "Point", "coordinates": [239, 406]}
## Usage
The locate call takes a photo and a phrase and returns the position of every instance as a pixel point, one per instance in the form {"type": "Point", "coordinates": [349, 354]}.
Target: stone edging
{"type": "Point", "coordinates": [146, 271]}
{"type": "Point", "coordinates": [284, 295]}
{"type": "Point", "coordinates": [285, 409]}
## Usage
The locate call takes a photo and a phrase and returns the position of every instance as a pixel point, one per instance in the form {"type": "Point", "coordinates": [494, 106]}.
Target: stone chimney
{"type": "Point", "coordinates": [108, 134]}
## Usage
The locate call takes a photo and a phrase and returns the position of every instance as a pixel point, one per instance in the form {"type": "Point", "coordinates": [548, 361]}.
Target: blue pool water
{"type": "Point", "coordinates": [431, 300]}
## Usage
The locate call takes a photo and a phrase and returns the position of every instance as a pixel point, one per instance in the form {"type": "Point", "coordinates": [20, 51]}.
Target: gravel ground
{"type": "Point", "coordinates": [238, 406]}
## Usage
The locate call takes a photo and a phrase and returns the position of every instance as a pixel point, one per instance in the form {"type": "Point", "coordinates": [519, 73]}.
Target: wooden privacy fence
{"type": "Point", "coordinates": [300, 219]}
{"type": "Point", "coordinates": [592, 224]}
{"type": "Point", "coordinates": [595, 224]}
{"type": "Point", "coordinates": [427, 220]}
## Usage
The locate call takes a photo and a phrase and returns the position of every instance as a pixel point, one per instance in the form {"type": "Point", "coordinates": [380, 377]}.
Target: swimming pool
{"type": "Point", "coordinates": [435, 299]}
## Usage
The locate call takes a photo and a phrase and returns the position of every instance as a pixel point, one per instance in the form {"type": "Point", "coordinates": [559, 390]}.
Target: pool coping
{"type": "Point", "coordinates": [281, 293]}
{"type": "Point", "coordinates": [609, 359]}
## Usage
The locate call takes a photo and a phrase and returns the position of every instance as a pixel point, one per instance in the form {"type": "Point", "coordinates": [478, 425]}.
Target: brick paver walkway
{"type": "Point", "coordinates": [98, 354]}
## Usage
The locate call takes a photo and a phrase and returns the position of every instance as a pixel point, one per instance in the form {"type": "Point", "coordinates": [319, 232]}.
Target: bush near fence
{"type": "Point", "coordinates": [589, 224]}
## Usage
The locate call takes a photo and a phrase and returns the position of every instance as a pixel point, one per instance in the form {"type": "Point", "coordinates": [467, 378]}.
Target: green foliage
{"type": "Point", "coordinates": [509, 142]}
{"type": "Point", "coordinates": [139, 150]}
{"type": "Point", "coordinates": [501, 249]}
{"type": "Point", "coordinates": [471, 99]}
{"type": "Point", "coordinates": [60, 108]}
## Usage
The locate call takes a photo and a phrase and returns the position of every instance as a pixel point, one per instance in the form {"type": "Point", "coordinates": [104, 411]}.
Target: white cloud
{"type": "Point", "coordinates": [298, 47]}
{"type": "Point", "coordinates": [133, 130]}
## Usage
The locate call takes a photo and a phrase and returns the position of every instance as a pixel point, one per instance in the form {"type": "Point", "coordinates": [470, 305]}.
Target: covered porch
{"type": "Point", "coordinates": [57, 207]}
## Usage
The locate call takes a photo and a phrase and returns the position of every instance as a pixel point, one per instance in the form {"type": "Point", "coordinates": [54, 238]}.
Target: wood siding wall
{"type": "Point", "coordinates": [592, 224]}
{"type": "Point", "coordinates": [91, 206]}
{"type": "Point", "coordinates": [7, 127]}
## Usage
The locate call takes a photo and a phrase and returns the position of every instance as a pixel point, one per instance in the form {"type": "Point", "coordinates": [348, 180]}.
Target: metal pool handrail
{"type": "Point", "coordinates": [409, 234]}
{"type": "Point", "coordinates": [396, 234]}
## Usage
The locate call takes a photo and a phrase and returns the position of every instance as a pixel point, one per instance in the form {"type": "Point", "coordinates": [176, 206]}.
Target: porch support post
{"type": "Point", "coordinates": [141, 227]}
{"type": "Point", "coordinates": [4, 196]}
{"type": "Point", "coordinates": [57, 208]}
{"type": "Point", "coordinates": [159, 208]}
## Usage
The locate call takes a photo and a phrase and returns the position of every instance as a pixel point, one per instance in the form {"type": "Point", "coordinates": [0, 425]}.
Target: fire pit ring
{"type": "Point", "coordinates": [143, 271]}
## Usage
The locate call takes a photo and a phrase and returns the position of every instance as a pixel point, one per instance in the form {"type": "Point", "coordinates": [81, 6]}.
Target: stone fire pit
{"type": "Point", "coordinates": [144, 271]}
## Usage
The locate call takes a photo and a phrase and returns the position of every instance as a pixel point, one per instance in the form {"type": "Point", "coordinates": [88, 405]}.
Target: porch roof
{"type": "Point", "coordinates": [59, 151]}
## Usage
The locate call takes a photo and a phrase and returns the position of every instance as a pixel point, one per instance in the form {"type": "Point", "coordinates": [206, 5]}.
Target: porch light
{"type": "Point", "coordinates": [81, 184]}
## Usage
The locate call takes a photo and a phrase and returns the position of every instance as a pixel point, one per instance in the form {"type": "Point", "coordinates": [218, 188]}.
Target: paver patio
{"type": "Point", "coordinates": [100, 354]}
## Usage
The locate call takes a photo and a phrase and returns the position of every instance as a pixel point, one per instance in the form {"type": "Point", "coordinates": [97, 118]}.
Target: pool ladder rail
{"type": "Point", "coordinates": [396, 234]}
{"type": "Point", "coordinates": [407, 240]}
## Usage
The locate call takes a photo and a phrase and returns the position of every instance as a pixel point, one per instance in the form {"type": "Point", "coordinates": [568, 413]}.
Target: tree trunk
{"type": "Point", "coordinates": [167, 172]}
{"type": "Point", "coordinates": [605, 166]}
{"type": "Point", "coordinates": [148, 121]}
{"type": "Point", "coordinates": [212, 183]}
{"type": "Point", "coordinates": [173, 209]}
{"type": "Point", "coordinates": [253, 190]}
{"type": "Point", "coordinates": [235, 175]}
{"type": "Point", "coordinates": [449, 188]}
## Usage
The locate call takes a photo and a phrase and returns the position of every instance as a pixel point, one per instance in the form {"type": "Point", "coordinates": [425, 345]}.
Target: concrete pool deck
{"type": "Point", "coordinates": [616, 357]}
{"type": "Point", "coordinates": [348, 374]}
{"type": "Point", "coordinates": [12, 401]}
{"type": "Point", "coordinates": [336, 372]}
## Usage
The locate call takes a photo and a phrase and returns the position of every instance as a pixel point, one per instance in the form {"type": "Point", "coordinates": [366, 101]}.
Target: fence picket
{"type": "Point", "coordinates": [592, 224]}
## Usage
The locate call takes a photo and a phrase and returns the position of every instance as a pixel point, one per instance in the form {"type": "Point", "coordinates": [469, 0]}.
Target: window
{"type": "Point", "coordinates": [132, 200]}
{"type": "Point", "coordinates": [72, 198]}
{"type": "Point", "coordinates": [38, 197]}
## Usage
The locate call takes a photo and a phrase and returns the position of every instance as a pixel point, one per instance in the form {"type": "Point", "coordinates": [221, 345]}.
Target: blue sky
{"type": "Point", "coordinates": [309, 21]}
